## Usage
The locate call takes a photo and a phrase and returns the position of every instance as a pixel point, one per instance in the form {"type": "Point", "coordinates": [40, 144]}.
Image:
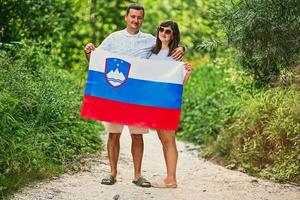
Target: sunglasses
{"type": "Point", "coordinates": [164, 30]}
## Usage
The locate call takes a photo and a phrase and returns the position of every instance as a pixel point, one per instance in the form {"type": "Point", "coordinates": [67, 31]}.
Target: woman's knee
{"type": "Point", "coordinates": [167, 138]}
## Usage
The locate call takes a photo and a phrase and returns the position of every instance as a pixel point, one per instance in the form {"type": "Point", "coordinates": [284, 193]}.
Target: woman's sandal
{"type": "Point", "coordinates": [162, 184]}
{"type": "Point", "coordinates": [142, 182]}
{"type": "Point", "coordinates": [109, 180]}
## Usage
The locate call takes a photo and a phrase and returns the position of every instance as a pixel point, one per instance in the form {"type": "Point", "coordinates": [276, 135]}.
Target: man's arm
{"type": "Point", "coordinates": [105, 45]}
{"type": "Point", "coordinates": [88, 50]}
{"type": "Point", "coordinates": [178, 53]}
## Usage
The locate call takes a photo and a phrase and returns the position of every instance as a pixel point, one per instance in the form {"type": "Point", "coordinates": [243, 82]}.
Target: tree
{"type": "Point", "coordinates": [266, 33]}
{"type": "Point", "coordinates": [35, 19]}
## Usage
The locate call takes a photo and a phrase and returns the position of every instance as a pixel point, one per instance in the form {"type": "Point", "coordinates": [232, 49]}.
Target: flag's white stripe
{"type": "Point", "coordinates": [153, 70]}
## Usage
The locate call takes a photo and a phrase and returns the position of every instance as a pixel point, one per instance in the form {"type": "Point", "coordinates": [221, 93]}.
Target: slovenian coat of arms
{"type": "Point", "coordinates": [116, 71]}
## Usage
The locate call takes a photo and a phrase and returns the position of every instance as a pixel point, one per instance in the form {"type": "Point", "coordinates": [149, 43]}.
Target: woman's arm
{"type": "Point", "coordinates": [188, 68]}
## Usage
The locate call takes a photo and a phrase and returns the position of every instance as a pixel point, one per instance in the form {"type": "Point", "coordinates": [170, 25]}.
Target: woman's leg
{"type": "Point", "coordinates": [168, 142]}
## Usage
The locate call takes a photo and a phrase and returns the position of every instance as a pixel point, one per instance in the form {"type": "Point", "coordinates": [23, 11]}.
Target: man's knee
{"type": "Point", "coordinates": [136, 137]}
{"type": "Point", "coordinates": [114, 136]}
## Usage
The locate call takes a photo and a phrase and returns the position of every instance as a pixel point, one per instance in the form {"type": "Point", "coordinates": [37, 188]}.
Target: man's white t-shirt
{"type": "Point", "coordinates": [138, 45]}
{"type": "Point", "coordinates": [121, 42]}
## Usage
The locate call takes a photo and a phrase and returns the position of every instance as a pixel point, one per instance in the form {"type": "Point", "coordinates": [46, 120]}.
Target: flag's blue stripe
{"type": "Point", "coordinates": [135, 91]}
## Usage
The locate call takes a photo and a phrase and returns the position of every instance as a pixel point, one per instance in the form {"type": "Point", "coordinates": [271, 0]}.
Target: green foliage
{"type": "Point", "coordinates": [263, 138]}
{"type": "Point", "coordinates": [96, 19]}
{"type": "Point", "coordinates": [266, 33]}
{"type": "Point", "coordinates": [109, 17]}
{"type": "Point", "coordinates": [211, 97]}
{"type": "Point", "coordinates": [39, 117]}
{"type": "Point", "coordinates": [66, 25]}
{"type": "Point", "coordinates": [35, 19]}
{"type": "Point", "coordinates": [51, 21]}
{"type": "Point", "coordinates": [198, 22]}
{"type": "Point", "coordinates": [242, 127]}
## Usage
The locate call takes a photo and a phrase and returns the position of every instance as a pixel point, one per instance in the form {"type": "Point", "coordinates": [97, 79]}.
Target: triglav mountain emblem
{"type": "Point", "coordinates": [116, 71]}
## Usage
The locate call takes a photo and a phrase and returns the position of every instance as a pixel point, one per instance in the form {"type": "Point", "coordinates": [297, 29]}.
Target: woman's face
{"type": "Point", "coordinates": [165, 34]}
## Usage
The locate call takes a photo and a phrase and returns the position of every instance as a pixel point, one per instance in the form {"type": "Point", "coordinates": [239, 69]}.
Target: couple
{"type": "Point", "coordinates": [132, 42]}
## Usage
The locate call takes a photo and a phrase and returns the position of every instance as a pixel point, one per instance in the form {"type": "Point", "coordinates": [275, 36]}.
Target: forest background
{"type": "Point", "coordinates": [241, 105]}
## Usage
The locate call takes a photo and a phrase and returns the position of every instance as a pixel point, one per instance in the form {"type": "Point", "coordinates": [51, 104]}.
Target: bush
{"type": "Point", "coordinates": [211, 97]}
{"type": "Point", "coordinates": [263, 139]}
{"type": "Point", "coordinates": [39, 118]}
{"type": "Point", "coordinates": [266, 33]}
{"type": "Point", "coordinates": [242, 127]}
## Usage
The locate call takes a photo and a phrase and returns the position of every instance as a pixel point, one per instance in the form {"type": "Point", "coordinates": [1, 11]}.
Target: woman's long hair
{"type": "Point", "coordinates": [173, 44]}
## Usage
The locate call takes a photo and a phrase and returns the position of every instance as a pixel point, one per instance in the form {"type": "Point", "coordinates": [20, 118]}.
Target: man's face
{"type": "Point", "coordinates": [134, 19]}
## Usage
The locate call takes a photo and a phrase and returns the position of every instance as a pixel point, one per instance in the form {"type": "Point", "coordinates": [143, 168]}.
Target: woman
{"type": "Point", "coordinates": [167, 39]}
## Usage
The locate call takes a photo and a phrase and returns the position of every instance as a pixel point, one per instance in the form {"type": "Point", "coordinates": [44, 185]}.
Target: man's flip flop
{"type": "Point", "coordinates": [109, 180]}
{"type": "Point", "coordinates": [162, 184]}
{"type": "Point", "coordinates": [142, 182]}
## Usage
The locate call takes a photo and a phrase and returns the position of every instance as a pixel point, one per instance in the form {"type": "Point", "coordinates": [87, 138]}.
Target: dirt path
{"type": "Point", "coordinates": [197, 179]}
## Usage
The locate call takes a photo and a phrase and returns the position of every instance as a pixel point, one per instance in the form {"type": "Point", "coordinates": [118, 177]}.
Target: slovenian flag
{"type": "Point", "coordinates": [133, 91]}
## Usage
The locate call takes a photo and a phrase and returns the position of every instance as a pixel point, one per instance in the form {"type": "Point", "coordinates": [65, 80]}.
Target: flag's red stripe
{"type": "Point", "coordinates": [130, 114]}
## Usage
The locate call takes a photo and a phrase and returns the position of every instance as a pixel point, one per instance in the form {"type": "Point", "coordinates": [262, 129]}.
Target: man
{"type": "Point", "coordinates": [130, 41]}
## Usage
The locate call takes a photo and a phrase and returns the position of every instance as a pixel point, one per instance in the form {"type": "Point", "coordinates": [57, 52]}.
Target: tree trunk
{"type": "Point", "coordinates": [93, 21]}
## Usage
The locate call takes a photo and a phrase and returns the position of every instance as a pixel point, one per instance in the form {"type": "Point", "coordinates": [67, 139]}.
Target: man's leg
{"type": "Point", "coordinates": [137, 151]}
{"type": "Point", "coordinates": [113, 149]}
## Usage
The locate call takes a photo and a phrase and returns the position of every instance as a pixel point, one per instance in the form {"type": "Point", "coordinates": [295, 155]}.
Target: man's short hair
{"type": "Point", "coordinates": [135, 7]}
